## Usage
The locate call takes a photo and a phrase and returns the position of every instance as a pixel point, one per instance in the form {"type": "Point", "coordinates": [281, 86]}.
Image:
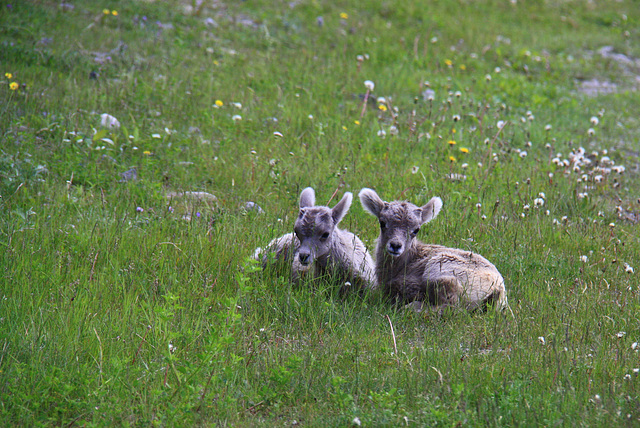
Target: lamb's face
{"type": "Point", "coordinates": [399, 225]}
{"type": "Point", "coordinates": [314, 228]}
{"type": "Point", "coordinates": [400, 221]}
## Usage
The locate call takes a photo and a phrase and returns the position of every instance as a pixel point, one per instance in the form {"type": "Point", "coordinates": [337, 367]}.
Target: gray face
{"type": "Point", "coordinates": [400, 221]}
{"type": "Point", "coordinates": [314, 228]}
{"type": "Point", "coordinates": [399, 225]}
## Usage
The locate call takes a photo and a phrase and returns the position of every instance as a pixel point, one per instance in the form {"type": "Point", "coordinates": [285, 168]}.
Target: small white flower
{"type": "Point", "coordinates": [594, 121]}
{"type": "Point", "coordinates": [591, 132]}
{"type": "Point", "coordinates": [621, 334]}
{"type": "Point", "coordinates": [628, 268]}
{"type": "Point", "coordinates": [382, 133]}
{"type": "Point", "coordinates": [526, 207]}
{"type": "Point", "coordinates": [538, 202]}
{"type": "Point", "coordinates": [393, 130]}
{"type": "Point", "coordinates": [584, 259]}
{"type": "Point", "coordinates": [172, 348]}
{"type": "Point", "coordinates": [156, 136]}
{"type": "Point", "coordinates": [458, 94]}
{"type": "Point", "coordinates": [541, 340]}
{"type": "Point", "coordinates": [523, 154]}
{"type": "Point", "coordinates": [634, 346]}
{"type": "Point", "coordinates": [434, 40]}
{"type": "Point", "coordinates": [108, 121]}
{"type": "Point", "coordinates": [236, 118]}
{"type": "Point", "coordinates": [415, 170]}
{"type": "Point", "coordinates": [369, 85]}
{"type": "Point", "coordinates": [612, 225]}
{"type": "Point", "coordinates": [381, 100]}
{"type": "Point", "coordinates": [359, 58]}
{"type": "Point", "coordinates": [478, 205]}
{"type": "Point", "coordinates": [310, 117]}
{"type": "Point", "coordinates": [500, 124]}
{"type": "Point", "coordinates": [456, 117]}
{"type": "Point", "coordinates": [356, 420]}
{"type": "Point", "coordinates": [488, 77]}
{"type": "Point", "coordinates": [547, 128]}
{"type": "Point", "coordinates": [237, 105]}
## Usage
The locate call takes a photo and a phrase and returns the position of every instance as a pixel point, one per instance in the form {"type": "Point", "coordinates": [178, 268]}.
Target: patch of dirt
{"type": "Point", "coordinates": [629, 76]}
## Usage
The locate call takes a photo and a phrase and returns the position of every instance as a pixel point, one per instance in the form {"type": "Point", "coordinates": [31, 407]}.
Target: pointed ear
{"type": "Point", "coordinates": [371, 202]}
{"type": "Point", "coordinates": [341, 208]}
{"type": "Point", "coordinates": [431, 209]}
{"type": "Point", "coordinates": [307, 198]}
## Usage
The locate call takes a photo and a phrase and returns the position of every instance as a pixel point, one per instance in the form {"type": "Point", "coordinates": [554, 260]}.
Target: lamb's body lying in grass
{"type": "Point", "coordinates": [423, 274]}
{"type": "Point", "coordinates": [319, 248]}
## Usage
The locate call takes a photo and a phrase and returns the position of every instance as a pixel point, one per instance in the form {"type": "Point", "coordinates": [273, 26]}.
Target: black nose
{"type": "Point", "coordinates": [304, 258]}
{"type": "Point", "coordinates": [395, 246]}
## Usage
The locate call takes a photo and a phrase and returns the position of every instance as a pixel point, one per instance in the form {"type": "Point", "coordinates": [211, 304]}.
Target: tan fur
{"type": "Point", "coordinates": [436, 276]}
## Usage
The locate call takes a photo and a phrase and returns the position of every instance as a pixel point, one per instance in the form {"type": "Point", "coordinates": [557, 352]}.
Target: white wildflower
{"type": "Point", "coordinates": [369, 85]}
{"type": "Point", "coordinates": [236, 118]}
{"type": "Point", "coordinates": [541, 340]}
{"type": "Point", "coordinates": [594, 121]}
{"type": "Point", "coordinates": [584, 259]}
{"type": "Point", "coordinates": [628, 268]}
{"type": "Point", "coordinates": [108, 121]}
{"type": "Point", "coordinates": [538, 202]}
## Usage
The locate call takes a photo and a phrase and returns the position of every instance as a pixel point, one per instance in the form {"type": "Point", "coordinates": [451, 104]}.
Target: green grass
{"type": "Point", "coordinates": [116, 310]}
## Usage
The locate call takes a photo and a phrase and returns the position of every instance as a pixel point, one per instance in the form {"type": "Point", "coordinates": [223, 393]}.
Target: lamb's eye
{"type": "Point", "coordinates": [415, 232]}
{"type": "Point", "coordinates": [325, 236]}
{"type": "Point", "coordinates": [382, 224]}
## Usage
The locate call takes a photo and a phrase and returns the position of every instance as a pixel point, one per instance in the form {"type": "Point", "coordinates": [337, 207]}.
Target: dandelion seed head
{"type": "Point", "coordinates": [594, 121]}
{"type": "Point", "coordinates": [369, 85]}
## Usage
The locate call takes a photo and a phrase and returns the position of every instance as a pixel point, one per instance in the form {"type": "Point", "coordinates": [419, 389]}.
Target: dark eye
{"type": "Point", "coordinates": [324, 236]}
{"type": "Point", "coordinates": [415, 232]}
{"type": "Point", "coordinates": [382, 224]}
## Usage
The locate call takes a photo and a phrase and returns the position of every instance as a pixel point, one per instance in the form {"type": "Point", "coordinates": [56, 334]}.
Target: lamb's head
{"type": "Point", "coordinates": [315, 226]}
{"type": "Point", "coordinates": [400, 221]}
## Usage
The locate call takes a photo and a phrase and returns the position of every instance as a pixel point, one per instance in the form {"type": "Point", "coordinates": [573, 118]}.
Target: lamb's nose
{"type": "Point", "coordinates": [304, 258]}
{"type": "Point", "coordinates": [395, 247]}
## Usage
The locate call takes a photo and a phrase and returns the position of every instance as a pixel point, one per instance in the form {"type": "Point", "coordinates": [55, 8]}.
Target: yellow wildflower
{"type": "Point", "coordinates": [219, 103]}
{"type": "Point", "coordinates": [105, 11]}
{"type": "Point", "coordinates": [452, 159]}
{"type": "Point", "coordinates": [382, 107]}
{"type": "Point", "coordinates": [464, 150]}
{"type": "Point", "coordinates": [451, 143]}
{"type": "Point", "coordinates": [448, 62]}
{"type": "Point", "coordinates": [215, 62]}
{"type": "Point", "coordinates": [114, 12]}
{"type": "Point", "coordinates": [146, 152]}
{"type": "Point", "coordinates": [344, 15]}
{"type": "Point", "coordinates": [454, 130]}
{"type": "Point", "coordinates": [357, 122]}
{"type": "Point", "coordinates": [463, 67]}
{"type": "Point", "coordinates": [344, 127]}
{"type": "Point", "coordinates": [8, 75]}
{"type": "Point", "coordinates": [13, 86]}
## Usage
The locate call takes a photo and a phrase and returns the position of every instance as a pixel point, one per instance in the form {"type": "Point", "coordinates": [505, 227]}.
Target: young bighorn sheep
{"type": "Point", "coordinates": [425, 274]}
{"type": "Point", "coordinates": [319, 248]}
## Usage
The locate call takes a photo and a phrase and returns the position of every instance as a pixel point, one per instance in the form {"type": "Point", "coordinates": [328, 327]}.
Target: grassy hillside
{"type": "Point", "coordinates": [123, 303]}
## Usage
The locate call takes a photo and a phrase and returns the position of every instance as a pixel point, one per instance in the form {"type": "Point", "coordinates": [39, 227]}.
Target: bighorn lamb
{"type": "Point", "coordinates": [425, 274]}
{"type": "Point", "coordinates": [318, 245]}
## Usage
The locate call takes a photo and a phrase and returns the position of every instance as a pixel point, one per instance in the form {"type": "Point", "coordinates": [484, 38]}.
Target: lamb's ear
{"type": "Point", "coordinates": [307, 198]}
{"type": "Point", "coordinates": [431, 209]}
{"type": "Point", "coordinates": [371, 202]}
{"type": "Point", "coordinates": [341, 208]}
